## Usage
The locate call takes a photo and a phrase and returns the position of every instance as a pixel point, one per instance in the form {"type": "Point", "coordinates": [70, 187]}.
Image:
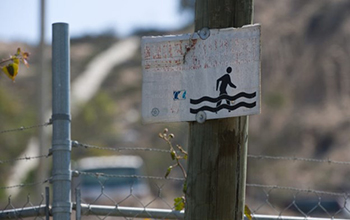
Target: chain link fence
{"type": "Point", "coordinates": [18, 198]}
{"type": "Point", "coordinates": [132, 194]}
{"type": "Point", "coordinates": [265, 201]}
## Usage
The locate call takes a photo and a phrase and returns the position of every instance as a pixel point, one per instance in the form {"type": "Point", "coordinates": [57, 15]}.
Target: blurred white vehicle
{"type": "Point", "coordinates": [112, 179]}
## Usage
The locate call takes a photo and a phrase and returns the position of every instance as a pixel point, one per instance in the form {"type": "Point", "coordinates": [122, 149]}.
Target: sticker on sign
{"type": "Point", "coordinates": [187, 78]}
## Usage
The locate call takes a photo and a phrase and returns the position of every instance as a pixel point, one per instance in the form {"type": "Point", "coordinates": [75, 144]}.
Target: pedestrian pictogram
{"type": "Point", "coordinates": [222, 85]}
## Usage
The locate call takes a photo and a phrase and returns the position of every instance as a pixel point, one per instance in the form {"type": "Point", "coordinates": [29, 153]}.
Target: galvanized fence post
{"type": "Point", "coordinates": [47, 203]}
{"type": "Point", "coordinates": [61, 142]}
{"type": "Point", "coordinates": [78, 204]}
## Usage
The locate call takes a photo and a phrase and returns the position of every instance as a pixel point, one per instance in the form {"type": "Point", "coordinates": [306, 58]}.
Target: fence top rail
{"type": "Point", "coordinates": [274, 217]}
{"type": "Point", "coordinates": [24, 212]}
{"type": "Point", "coordinates": [88, 209]}
{"type": "Point", "coordinates": [133, 212]}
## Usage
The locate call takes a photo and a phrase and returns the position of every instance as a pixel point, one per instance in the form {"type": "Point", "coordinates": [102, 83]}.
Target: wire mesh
{"type": "Point", "coordinates": [127, 196]}
{"type": "Point", "coordinates": [13, 210]}
{"type": "Point", "coordinates": [152, 197]}
{"type": "Point", "coordinates": [268, 201]}
{"type": "Point", "coordinates": [289, 201]}
{"type": "Point", "coordinates": [292, 198]}
{"type": "Point", "coordinates": [265, 201]}
{"type": "Point", "coordinates": [19, 196]}
{"type": "Point", "coordinates": [124, 190]}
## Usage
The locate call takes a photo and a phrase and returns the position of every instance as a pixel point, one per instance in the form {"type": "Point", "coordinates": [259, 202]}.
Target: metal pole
{"type": "Point", "coordinates": [43, 95]}
{"type": "Point", "coordinates": [78, 204]}
{"type": "Point", "coordinates": [131, 212]}
{"type": "Point", "coordinates": [47, 200]}
{"type": "Point", "coordinates": [61, 142]}
{"type": "Point", "coordinates": [25, 212]}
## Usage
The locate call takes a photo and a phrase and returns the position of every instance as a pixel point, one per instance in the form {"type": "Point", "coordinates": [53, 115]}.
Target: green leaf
{"type": "Point", "coordinates": [179, 203]}
{"type": "Point", "coordinates": [168, 171]}
{"type": "Point", "coordinates": [184, 188]}
{"type": "Point", "coordinates": [247, 212]}
{"type": "Point", "coordinates": [173, 155]}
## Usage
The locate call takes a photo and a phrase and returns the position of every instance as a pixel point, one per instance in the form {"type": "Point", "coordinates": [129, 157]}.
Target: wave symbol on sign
{"type": "Point", "coordinates": [220, 106]}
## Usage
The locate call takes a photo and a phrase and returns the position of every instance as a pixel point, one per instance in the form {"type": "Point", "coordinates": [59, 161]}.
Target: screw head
{"type": "Point", "coordinates": [201, 117]}
{"type": "Point", "coordinates": [204, 33]}
{"type": "Point", "coordinates": [155, 112]}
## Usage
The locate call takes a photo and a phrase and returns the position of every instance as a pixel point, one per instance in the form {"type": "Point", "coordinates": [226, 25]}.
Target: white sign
{"type": "Point", "coordinates": [187, 78]}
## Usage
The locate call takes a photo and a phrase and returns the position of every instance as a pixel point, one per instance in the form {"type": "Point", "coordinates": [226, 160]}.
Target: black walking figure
{"type": "Point", "coordinates": [225, 81]}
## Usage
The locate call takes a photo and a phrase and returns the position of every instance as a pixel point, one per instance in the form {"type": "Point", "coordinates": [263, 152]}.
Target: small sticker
{"type": "Point", "coordinates": [179, 95]}
{"type": "Point", "coordinates": [155, 112]}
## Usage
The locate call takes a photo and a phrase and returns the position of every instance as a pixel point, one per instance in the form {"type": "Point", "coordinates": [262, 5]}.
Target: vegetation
{"type": "Point", "coordinates": [12, 68]}
{"type": "Point", "coordinates": [179, 202]}
{"type": "Point", "coordinates": [13, 115]}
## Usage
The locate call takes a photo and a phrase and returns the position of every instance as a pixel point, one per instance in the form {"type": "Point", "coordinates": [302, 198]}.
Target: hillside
{"type": "Point", "coordinates": [305, 98]}
{"type": "Point", "coordinates": [305, 88]}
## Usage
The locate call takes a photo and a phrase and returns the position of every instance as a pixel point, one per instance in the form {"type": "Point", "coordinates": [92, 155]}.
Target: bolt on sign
{"type": "Point", "coordinates": [210, 74]}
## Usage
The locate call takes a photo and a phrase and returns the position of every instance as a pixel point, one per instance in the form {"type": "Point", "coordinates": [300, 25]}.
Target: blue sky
{"type": "Point", "coordinates": [20, 18]}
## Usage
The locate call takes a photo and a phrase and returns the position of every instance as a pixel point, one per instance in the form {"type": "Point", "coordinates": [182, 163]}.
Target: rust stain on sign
{"type": "Point", "coordinates": [189, 47]}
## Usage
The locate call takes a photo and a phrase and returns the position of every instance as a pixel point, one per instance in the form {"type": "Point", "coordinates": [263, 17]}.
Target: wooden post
{"type": "Point", "coordinates": [218, 148]}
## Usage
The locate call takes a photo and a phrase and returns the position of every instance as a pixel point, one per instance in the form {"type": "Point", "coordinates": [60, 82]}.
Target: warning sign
{"type": "Point", "coordinates": [212, 75]}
